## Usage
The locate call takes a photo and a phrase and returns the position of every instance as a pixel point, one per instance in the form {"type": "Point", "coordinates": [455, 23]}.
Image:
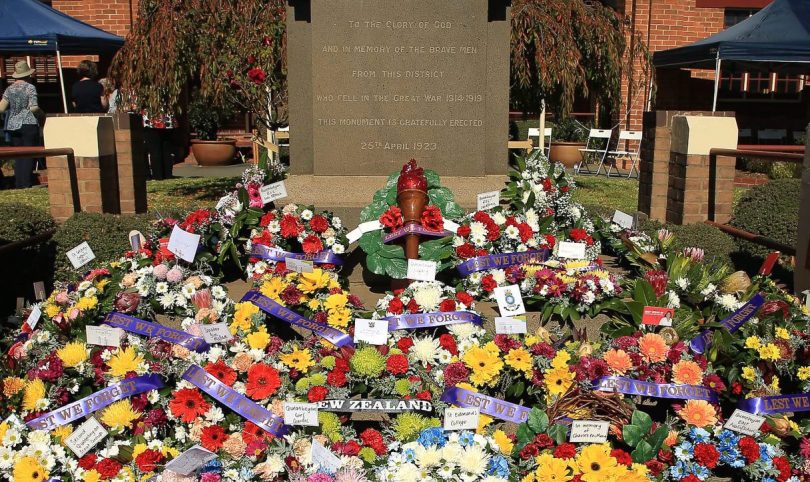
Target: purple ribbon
{"type": "Point", "coordinates": [493, 261]}
{"type": "Point", "coordinates": [630, 386]}
{"type": "Point", "coordinates": [333, 335]}
{"type": "Point", "coordinates": [414, 228]}
{"type": "Point", "coordinates": [275, 254]}
{"type": "Point", "coordinates": [429, 320]}
{"type": "Point", "coordinates": [492, 406]}
{"type": "Point", "coordinates": [147, 328]}
{"type": "Point", "coordinates": [797, 402]}
{"type": "Point", "coordinates": [234, 400]}
{"type": "Point", "coordinates": [98, 400]}
{"type": "Point", "coordinates": [732, 323]}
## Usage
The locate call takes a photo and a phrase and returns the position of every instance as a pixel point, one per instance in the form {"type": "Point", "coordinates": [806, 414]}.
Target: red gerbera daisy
{"type": "Point", "coordinates": [212, 437]}
{"type": "Point", "coordinates": [187, 404]}
{"type": "Point", "coordinates": [222, 372]}
{"type": "Point", "coordinates": [262, 381]}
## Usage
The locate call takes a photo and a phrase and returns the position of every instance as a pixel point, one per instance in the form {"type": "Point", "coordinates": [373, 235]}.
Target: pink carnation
{"type": "Point", "coordinates": [174, 275]}
{"type": "Point", "coordinates": [160, 271]}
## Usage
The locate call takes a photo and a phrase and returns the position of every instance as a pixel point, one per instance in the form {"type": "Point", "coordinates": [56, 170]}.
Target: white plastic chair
{"type": "Point", "coordinates": [633, 153]}
{"type": "Point", "coordinates": [535, 132]}
{"type": "Point", "coordinates": [593, 152]}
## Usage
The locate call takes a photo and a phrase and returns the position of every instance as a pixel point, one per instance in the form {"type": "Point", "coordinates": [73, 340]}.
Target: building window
{"type": "Point", "coordinates": [733, 16]}
{"type": "Point", "coordinates": [47, 72]}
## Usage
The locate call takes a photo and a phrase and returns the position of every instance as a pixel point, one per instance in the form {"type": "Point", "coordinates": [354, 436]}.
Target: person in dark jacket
{"type": "Point", "coordinates": [87, 94]}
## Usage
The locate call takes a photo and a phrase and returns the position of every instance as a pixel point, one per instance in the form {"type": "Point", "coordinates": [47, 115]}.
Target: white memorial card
{"type": "Point", "coordinates": [589, 431]}
{"type": "Point", "coordinates": [190, 460]}
{"type": "Point", "coordinates": [301, 414]}
{"type": "Point", "coordinates": [183, 244]}
{"type": "Point", "coordinates": [271, 192]}
{"type": "Point", "coordinates": [509, 326]}
{"type": "Point", "coordinates": [510, 301]}
{"type": "Point", "coordinates": [744, 422]}
{"type": "Point", "coordinates": [85, 437]}
{"type": "Point", "coordinates": [374, 332]}
{"type": "Point", "coordinates": [34, 316]}
{"type": "Point", "coordinates": [103, 335]}
{"type": "Point", "coordinates": [216, 333]}
{"type": "Point", "coordinates": [461, 418]}
{"type": "Point", "coordinates": [81, 255]}
{"type": "Point", "coordinates": [421, 270]}
{"type": "Point", "coordinates": [567, 249]}
{"type": "Point", "coordinates": [623, 219]}
{"type": "Point", "coordinates": [299, 265]}
{"type": "Point", "coordinates": [488, 200]}
{"type": "Point", "coordinates": [324, 458]}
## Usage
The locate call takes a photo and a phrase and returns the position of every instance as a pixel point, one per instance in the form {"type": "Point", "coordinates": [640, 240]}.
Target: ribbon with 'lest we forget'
{"type": "Point", "coordinates": [732, 323]}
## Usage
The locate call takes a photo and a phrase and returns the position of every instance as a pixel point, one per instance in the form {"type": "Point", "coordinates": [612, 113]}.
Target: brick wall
{"type": "Point", "coordinates": [114, 16]}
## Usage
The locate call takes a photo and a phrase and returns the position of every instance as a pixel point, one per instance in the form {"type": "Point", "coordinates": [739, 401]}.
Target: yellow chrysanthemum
{"type": "Point", "coordinates": [782, 333]}
{"type": "Point", "coordinates": [769, 352]}
{"type": "Point", "coordinates": [124, 361]}
{"type": "Point", "coordinates": [504, 442]}
{"type": "Point", "coordinates": [339, 318]}
{"type": "Point", "coordinates": [311, 282]}
{"type": "Point", "coordinates": [558, 381]}
{"type": "Point", "coordinates": [314, 304]}
{"type": "Point", "coordinates": [3, 429]}
{"type": "Point", "coordinates": [519, 359]}
{"type": "Point", "coordinates": [485, 365]}
{"type": "Point", "coordinates": [258, 340]}
{"type": "Point", "coordinates": [337, 301]}
{"type": "Point", "coordinates": [72, 354]}
{"type": "Point", "coordinates": [595, 463]}
{"type": "Point", "coordinates": [62, 432]}
{"type": "Point", "coordinates": [91, 475]}
{"type": "Point", "coordinates": [12, 386]}
{"type": "Point", "coordinates": [34, 392]}
{"type": "Point", "coordinates": [483, 423]}
{"type": "Point", "coordinates": [243, 316]}
{"type": "Point", "coordinates": [803, 373]}
{"type": "Point", "coordinates": [749, 374]}
{"type": "Point", "coordinates": [51, 309]}
{"type": "Point", "coordinates": [120, 415]}
{"type": "Point", "coordinates": [101, 284]}
{"type": "Point", "coordinates": [299, 359]}
{"type": "Point", "coordinates": [552, 469]}
{"type": "Point", "coordinates": [753, 342]}
{"type": "Point", "coordinates": [272, 288]}
{"type": "Point", "coordinates": [532, 340]}
{"type": "Point", "coordinates": [561, 360]}
{"type": "Point", "coordinates": [86, 303]}
{"type": "Point", "coordinates": [28, 469]}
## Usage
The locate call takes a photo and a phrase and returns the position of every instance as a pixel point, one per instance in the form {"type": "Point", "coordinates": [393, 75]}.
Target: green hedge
{"type": "Point", "coordinates": [21, 222]}
{"type": "Point", "coordinates": [770, 210]}
{"type": "Point", "coordinates": [717, 245]}
{"type": "Point", "coordinates": [107, 235]}
{"type": "Point", "coordinates": [774, 170]}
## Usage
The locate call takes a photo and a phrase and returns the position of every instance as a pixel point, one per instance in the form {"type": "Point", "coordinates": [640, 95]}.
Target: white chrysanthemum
{"type": "Point", "coordinates": [274, 226]}
{"type": "Point", "coordinates": [445, 357]}
{"type": "Point", "coordinates": [728, 301]}
{"type": "Point", "coordinates": [512, 232]}
{"type": "Point", "coordinates": [445, 472]}
{"type": "Point", "coordinates": [188, 290]}
{"type": "Point", "coordinates": [39, 437]}
{"type": "Point", "coordinates": [478, 239]}
{"type": "Point", "coordinates": [12, 437]}
{"type": "Point", "coordinates": [452, 452]}
{"type": "Point", "coordinates": [214, 414]}
{"type": "Point", "coordinates": [477, 228]}
{"type": "Point", "coordinates": [218, 292]}
{"type": "Point", "coordinates": [180, 299]}
{"type": "Point", "coordinates": [306, 214]}
{"type": "Point", "coordinates": [708, 290]}
{"type": "Point", "coordinates": [428, 457]}
{"type": "Point", "coordinates": [588, 298]}
{"type": "Point", "coordinates": [674, 300]}
{"type": "Point", "coordinates": [682, 283]}
{"type": "Point", "coordinates": [338, 248]}
{"type": "Point", "coordinates": [474, 460]}
{"type": "Point", "coordinates": [43, 403]}
{"type": "Point", "coordinates": [84, 285]}
{"type": "Point", "coordinates": [457, 241]}
{"type": "Point", "coordinates": [464, 331]}
{"type": "Point", "coordinates": [424, 350]}
{"type": "Point", "coordinates": [143, 290]}
{"type": "Point", "coordinates": [499, 218]}
{"type": "Point", "coordinates": [161, 287]}
{"type": "Point", "coordinates": [499, 276]}
{"type": "Point", "coordinates": [408, 473]}
{"type": "Point", "coordinates": [6, 458]}
{"type": "Point", "coordinates": [329, 241]}
{"type": "Point", "coordinates": [427, 296]}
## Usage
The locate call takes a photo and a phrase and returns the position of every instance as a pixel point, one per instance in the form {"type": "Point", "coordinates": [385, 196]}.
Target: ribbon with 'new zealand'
{"type": "Point", "coordinates": [96, 401]}
{"type": "Point", "coordinates": [430, 320]}
{"type": "Point", "coordinates": [505, 260]}
{"type": "Point", "coordinates": [147, 328]}
{"type": "Point", "coordinates": [275, 254]}
{"type": "Point", "coordinates": [491, 406]}
{"type": "Point", "coordinates": [234, 400]}
{"type": "Point", "coordinates": [797, 402]}
{"type": "Point", "coordinates": [630, 386]}
{"type": "Point", "coordinates": [732, 323]}
{"type": "Point", "coordinates": [333, 335]}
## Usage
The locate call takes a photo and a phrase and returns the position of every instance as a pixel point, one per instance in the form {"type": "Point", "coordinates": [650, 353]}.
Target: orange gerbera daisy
{"type": "Point", "coordinates": [653, 347]}
{"type": "Point", "coordinates": [699, 413]}
{"type": "Point", "coordinates": [687, 371]}
{"type": "Point", "coordinates": [222, 372]}
{"type": "Point", "coordinates": [618, 361]}
{"type": "Point", "coordinates": [262, 381]}
{"type": "Point", "coordinates": [187, 404]}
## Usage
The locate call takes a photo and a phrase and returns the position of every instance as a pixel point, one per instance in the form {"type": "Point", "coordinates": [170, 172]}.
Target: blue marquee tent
{"type": "Point", "coordinates": [30, 27]}
{"type": "Point", "coordinates": [778, 35]}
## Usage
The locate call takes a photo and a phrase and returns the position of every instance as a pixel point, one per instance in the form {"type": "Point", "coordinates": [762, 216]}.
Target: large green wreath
{"type": "Point", "coordinates": [389, 259]}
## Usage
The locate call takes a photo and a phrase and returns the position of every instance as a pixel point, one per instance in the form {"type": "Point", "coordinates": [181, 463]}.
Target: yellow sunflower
{"type": "Point", "coordinates": [504, 442]}
{"type": "Point", "coordinates": [595, 463]}
{"type": "Point", "coordinates": [120, 415]}
{"type": "Point", "coordinates": [72, 354]}
{"type": "Point", "coordinates": [124, 361]}
{"type": "Point", "coordinates": [299, 359]}
{"type": "Point", "coordinates": [243, 316]}
{"type": "Point", "coordinates": [339, 318]}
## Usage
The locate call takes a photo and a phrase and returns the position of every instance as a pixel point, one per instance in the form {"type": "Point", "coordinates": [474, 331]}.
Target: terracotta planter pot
{"type": "Point", "coordinates": [566, 153]}
{"type": "Point", "coordinates": [214, 153]}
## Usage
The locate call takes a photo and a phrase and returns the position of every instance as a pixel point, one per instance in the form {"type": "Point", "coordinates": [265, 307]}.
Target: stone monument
{"type": "Point", "coordinates": [374, 83]}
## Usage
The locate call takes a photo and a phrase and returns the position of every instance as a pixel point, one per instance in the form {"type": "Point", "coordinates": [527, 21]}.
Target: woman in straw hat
{"type": "Point", "coordinates": [20, 100]}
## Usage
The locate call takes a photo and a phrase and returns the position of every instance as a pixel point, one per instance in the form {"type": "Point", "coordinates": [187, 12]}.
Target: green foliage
{"type": "Point", "coordinates": [717, 245]}
{"type": "Point", "coordinates": [203, 118]}
{"type": "Point", "coordinates": [107, 235]}
{"type": "Point", "coordinates": [21, 221]}
{"type": "Point", "coordinates": [770, 210]}
{"type": "Point", "coordinates": [639, 435]}
{"type": "Point", "coordinates": [774, 170]}
{"type": "Point", "coordinates": [570, 130]}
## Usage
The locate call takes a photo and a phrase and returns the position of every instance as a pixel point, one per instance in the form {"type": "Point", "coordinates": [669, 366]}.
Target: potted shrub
{"type": "Point", "coordinates": [570, 136]}
{"type": "Point", "coordinates": [208, 150]}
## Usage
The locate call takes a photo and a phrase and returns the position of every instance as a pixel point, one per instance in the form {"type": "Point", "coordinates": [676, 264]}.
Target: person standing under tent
{"type": "Point", "coordinates": [87, 94]}
{"type": "Point", "coordinates": [20, 100]}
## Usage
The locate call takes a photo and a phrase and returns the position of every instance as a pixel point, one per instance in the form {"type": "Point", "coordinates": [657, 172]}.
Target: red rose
{"type": "Point", "coordinates": [465, 251]}
{"type": "Point", "coordinates": [493, 232]}
{"type": "Point", "coordinates": [312, 244]}
{"type": "Point", "coordinates": [397, 364]}
{"type": "Point", "coordinates": [257, 75]}
{"type": "Point", "coordinates": [318, 223]}
{"type": "Point", "coordinates": [432, 218]}
{"type": "Point", "coordinates": [213, 437]}
{"type": "Point", "coordinates": [565, 451]}
{"type": "Point", "coordinates": [749, 448]}
{"type": "Point", "coordinates": [655, 467]}
{"type": "Point", "coordinates": [316, 394]}
{"type": "Point", "coordinates": [350, 448]}
{"type": "Point", "coordinates": [108, 468]}
{"type": "Point", "coordinates": [707, 455]}
{"type": "Point", "coordinates": [622, 457]}
{"type": "Point", "coordinates": [148, 460]}
{"type": "Point", "coordinates": [464, 298]}
{"type": "Point", "coordinates": [447, 305]}
{"type": "Point", "coordinates": [290, 227]}
{"type": "Point", "coordinates": [395, 306]}
{"type": "Point", "coordinates": [88, 461]}
{"type": "Point", "coordinates": [405, 344]}
{"type": "Point", "coordinates": [463, 231]}
{"type": "Point", "coordinates": [488, 283]}
{"type": "Point", "coordinates": [447, 342]}
{"type": "Point", "coordinates": [392, 218]}
{"type": "Point", "coordinates": [413, 306]}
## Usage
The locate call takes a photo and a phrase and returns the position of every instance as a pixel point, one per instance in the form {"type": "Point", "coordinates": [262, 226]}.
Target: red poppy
{"type": "Point", "coordinates": [222, 372]}
{"type": "Point", "coordinates": [432, 218]}
{"type": "Point", "coordinates": [213, 437]}
{"type": "Point", "coordinates": [187, 404]}
{"type": "Point", "coordinates": [262, 381]}
{"type": "Point", "coordinates": [392, 218]}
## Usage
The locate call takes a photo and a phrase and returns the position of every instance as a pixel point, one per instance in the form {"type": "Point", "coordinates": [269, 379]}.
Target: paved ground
{"type": "Point", "coordinates": [193, 170]}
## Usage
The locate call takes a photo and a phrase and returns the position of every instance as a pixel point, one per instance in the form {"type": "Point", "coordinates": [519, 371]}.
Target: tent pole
{"type": "Point", "coordinates": [716, 81]}
{"type": "Point", "coordinates": [61, 79]}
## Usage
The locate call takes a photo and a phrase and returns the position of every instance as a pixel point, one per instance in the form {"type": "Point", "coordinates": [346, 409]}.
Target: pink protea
{"type": "Point", "coordinates": [695, 254]}
{"type": "Point", "coordinates": [202, 299]}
